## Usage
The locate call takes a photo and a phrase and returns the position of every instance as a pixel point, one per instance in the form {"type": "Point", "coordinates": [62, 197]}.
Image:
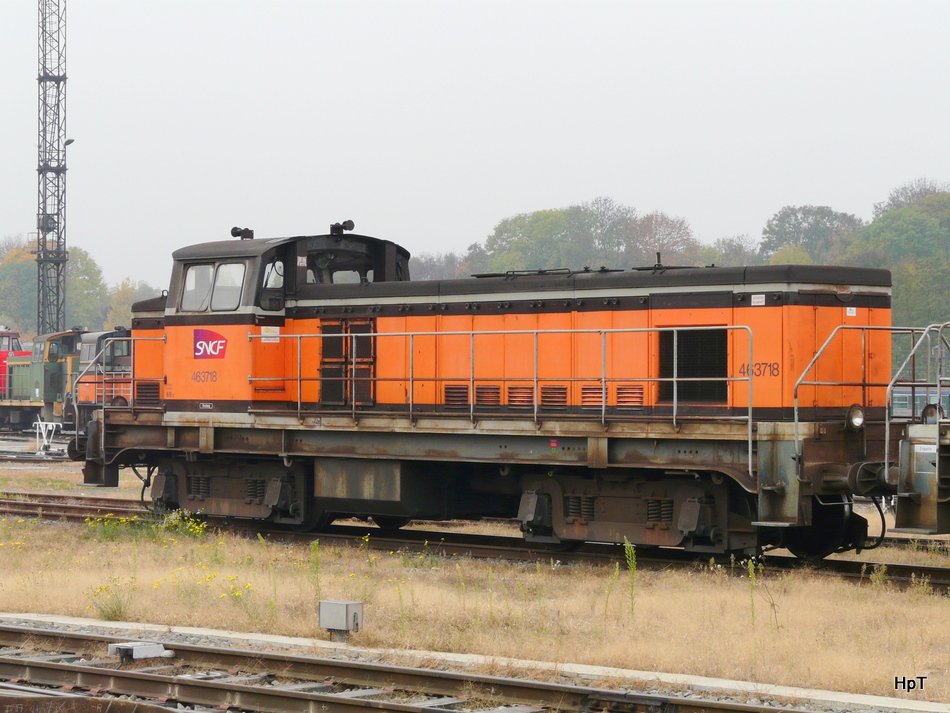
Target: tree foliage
{"type": "Point", "coordinates": [921, 292]}
{"type": "Point", "coordinates": [432, 266]}
{"type": "Point", "coordinates": [87, 296]}
{"type": "Point", "coordinates": [18, 278]}
{"type": "Point", "coordinates": [599, 233]}
{"type": "Point", "coordinates": [813, 228]}
{"type": "Point", "coordinates": [733, 251]}
{"type": "Point", "coordinates": [89, 301]}
{"type": "Point", "coordinates": [123, 296]}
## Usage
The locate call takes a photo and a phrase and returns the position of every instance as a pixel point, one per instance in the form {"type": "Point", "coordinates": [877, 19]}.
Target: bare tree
{"type": "Point", "coordinates": [910, 193]}
{"type": "Point", "coordinates": [732, 251]}
{"type": "Point", "coordinates": [430, 266]}
{"type": "Point", "coordinates": [658, 232]}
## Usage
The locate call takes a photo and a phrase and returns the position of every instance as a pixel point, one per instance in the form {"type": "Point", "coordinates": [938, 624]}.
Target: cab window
{"type": "Point", "coordinates": [217, 287]}
{"type": "Point", "coordinates": [87, 352]}
{"type": "Point", "coordinates": [197, 292]}
{"type": "Point", "coordinates": [342, 267]}
{"type": "Point", "coordinates": [228, 281]}
{"type": "Point", "coordinates": [116, 356]}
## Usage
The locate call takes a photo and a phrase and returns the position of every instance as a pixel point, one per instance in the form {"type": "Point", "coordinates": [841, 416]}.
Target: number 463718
{"type": "Point", "coordinates": [760, 368]}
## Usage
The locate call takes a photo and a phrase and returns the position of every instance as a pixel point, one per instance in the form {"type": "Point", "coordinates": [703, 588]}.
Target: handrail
{"type": "Point", "coordinates": [920, 336]}
{"type": "Point", "coordinates": [95, 363]}
{"type": "Point", "coordinates": [910, 359]}
{"type": "Point", "coordinates": [864, 383]}
{"type": "Point", "coordinates": [534, 378]}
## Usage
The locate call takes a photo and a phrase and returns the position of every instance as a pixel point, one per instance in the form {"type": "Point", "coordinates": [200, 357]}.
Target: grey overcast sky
{"type": "Point", "coordinates": [428, 122]}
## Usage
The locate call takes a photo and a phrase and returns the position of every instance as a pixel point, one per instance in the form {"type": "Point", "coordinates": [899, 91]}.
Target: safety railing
{"type": "Point", "coordinates": [934, 345]}
{"type": "Point", "coordinates": [603, 338]}
{"type": "Point", "coordinates": [918, 337]}
{"type": "Point", "coordinates": [119, 382]}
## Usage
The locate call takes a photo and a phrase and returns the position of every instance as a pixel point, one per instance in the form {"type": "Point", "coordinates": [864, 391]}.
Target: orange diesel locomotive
{"type": "Point", "coordinates": [302, 379]}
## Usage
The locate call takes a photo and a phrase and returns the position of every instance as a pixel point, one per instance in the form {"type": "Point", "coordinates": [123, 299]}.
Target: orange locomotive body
{"type": "Point", "coordinates": [717, 409]}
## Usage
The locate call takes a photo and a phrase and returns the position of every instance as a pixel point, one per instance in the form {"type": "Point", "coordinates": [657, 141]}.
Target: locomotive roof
{"type": "Point", "coordinates": [258, 246]}
{"type": "Point", "coordinates": [553, 279]}
{"type": "Point", "coordinates": [822, 274]}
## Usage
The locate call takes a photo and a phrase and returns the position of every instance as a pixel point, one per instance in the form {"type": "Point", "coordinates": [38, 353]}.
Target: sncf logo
{"type": "Point", "coordinates": [209, 345]}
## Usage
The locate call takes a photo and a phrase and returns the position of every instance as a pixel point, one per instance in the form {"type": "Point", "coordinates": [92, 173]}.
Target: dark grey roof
{"type": "Point", "coordinates": [229, 248]}
{"type": "Point", "coordinates": [258, 246]}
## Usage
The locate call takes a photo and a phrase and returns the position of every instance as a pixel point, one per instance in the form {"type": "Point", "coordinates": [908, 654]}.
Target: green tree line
{"type": "Point", "coordinates": [909, 234]}
{"type": "Point", "coordinates": [90, 302]}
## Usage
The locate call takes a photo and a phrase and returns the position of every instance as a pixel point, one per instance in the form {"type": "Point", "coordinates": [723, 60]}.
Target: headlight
{"type": "Point", "coordinates": [855, 419]}
{"type": "Point", "coordinates": [931, 413]}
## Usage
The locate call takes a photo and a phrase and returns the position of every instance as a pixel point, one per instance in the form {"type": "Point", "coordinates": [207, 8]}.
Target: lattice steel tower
{"type": "Point", "coordinates": [51, 253]}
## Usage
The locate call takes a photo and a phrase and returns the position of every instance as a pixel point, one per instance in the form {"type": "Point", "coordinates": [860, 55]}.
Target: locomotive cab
{"type": "Point", "coordinates": [244, 275]}
{"type": "Point", "coordinates": [46, 376]}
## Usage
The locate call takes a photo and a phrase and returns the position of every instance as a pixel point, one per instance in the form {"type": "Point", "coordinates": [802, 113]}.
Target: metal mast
{"type": "Point", "coordinates": [51, 253]}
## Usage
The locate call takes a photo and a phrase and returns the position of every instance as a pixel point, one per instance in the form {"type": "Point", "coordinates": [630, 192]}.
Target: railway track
{"type": "Point", "coordinates": [443, 543]}
{"type": "Point", "coordinates": [233, 679]}
{"type": "Point", "coordinates": [68, 507]}
{"type": "Point", "coordinates": [16, 456]}
{"type": "Point", "coordinates": [25, 447]}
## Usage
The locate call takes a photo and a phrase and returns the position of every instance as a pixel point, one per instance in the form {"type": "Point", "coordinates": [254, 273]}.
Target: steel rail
{"type": "Point", "coordinates": [63, 509]}
{"type": "Point", "coordinates": [338, 685]}
{"type": "Point", "coordinates": [70, 499]}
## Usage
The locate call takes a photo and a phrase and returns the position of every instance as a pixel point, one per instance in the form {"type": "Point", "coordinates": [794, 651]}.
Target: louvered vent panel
{"type": "Point", "coordinates": [592, 396]}
{"type": "Point", "coordinates": [630, 395]}
{"type": "Point", "coordinates": [579, 506]}
{"type": "Point", "coordinates": [147, 392]}
{"type": "Point", "coordinates": [254, 489]}
{"type": "Point", "coordinates": [199, 486]}
{"type": "Point", "coordinates": [554, 396]}
{"type": "Point", "coordinates": [521, 396]}
{"type": "Point", "coordinates": [488, 395]}
{"type": "Point", "coordinates": [660, 510]}
{"type": "Point", "coordinates": [456, 395]}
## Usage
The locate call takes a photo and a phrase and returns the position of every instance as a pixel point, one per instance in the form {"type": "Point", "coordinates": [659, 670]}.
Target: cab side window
{"type": "Point", "coordinates": [273, 275]}
{"type": "Point", "coordinates": [272, 285]}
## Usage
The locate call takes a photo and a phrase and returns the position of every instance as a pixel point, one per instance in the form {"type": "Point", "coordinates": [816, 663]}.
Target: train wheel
{"type": "Point", "coordinates": [828, 531]}
{"type": "Point", "coordinates": [390, 522]}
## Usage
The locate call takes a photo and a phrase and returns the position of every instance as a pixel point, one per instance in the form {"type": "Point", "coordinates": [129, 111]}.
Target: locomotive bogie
{"type": "Point", "coordinates": [673, 510]}
{"type": "Point", "coordinates": [239, 488]}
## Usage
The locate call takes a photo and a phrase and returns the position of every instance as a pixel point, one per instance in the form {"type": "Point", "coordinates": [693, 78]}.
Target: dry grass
{"type": "Point", "coordinates": [58, 477]}
{"type": "Point", "coordinates": [791, 629]}
{"type": "Point", "coordinates": [788, 629]}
